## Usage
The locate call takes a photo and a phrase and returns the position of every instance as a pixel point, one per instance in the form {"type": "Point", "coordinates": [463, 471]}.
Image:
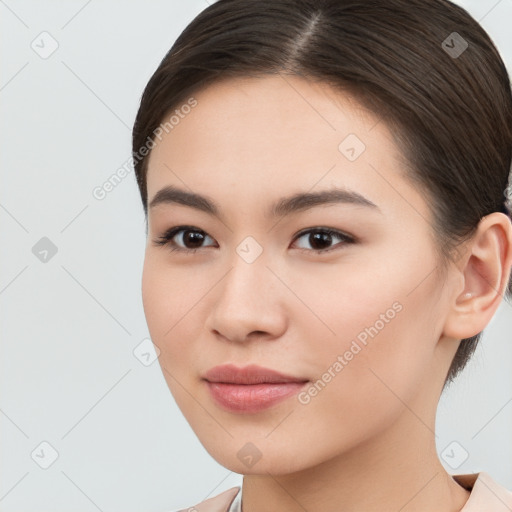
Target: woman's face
{"type": "Point", "coordinates": [358, 325]}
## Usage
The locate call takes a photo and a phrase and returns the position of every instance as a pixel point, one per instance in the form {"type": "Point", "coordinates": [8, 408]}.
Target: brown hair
{"type": "Point", "coordinates": [425, 67]}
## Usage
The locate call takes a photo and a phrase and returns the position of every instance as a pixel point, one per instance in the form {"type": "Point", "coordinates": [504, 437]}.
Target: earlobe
{"type": "Point", "coordinates": [485, 272]}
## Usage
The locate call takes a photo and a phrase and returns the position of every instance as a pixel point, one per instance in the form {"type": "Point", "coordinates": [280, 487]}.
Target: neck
{"type": "Point", "coordinates": [398, 471]}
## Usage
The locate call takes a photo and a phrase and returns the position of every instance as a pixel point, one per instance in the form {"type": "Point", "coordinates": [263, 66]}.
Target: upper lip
{"type": "Point", "coordinates": [252, 374]}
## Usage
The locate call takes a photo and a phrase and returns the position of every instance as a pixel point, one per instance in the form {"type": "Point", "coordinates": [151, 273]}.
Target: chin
{"type": "Point", "coordinates": [247, 458]}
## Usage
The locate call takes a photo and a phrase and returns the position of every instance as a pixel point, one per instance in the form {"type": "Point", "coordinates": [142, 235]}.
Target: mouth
{"type": "Point", "coordinates": [250, 389]}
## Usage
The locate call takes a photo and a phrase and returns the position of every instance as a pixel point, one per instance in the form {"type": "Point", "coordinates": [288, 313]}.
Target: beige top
{"type": "Point", "coordinates": [486, 496]}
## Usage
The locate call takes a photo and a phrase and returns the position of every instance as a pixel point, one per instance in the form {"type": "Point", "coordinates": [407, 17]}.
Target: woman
{"type": "Point", "coordinates": [328, 235]}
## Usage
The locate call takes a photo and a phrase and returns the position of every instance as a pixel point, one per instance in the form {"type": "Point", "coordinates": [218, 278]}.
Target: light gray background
{"type": "Point", "coordinates": [69, 376]}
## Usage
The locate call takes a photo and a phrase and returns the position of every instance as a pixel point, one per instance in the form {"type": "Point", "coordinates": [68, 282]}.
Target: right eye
{"type": "Point", "coordinates": [186, 235]}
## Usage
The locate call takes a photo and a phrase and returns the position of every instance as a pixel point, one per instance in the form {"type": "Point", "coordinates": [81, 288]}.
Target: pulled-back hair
{"type": "Point", "coordinates": [425, 67]}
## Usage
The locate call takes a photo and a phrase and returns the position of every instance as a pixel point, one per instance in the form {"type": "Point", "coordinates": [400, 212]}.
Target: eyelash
{"type": "Point", "coordinates": [166, 238]}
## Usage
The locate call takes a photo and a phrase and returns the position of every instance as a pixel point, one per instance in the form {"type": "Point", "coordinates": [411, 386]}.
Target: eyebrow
{"type": "Point", "coordinates": [285, 206]}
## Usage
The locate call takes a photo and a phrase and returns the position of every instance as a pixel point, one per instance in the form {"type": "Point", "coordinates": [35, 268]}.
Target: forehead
{"type": "Point", "coordinates": [250, 136]}
{"type": "Point", "coordinates": [272, 112]}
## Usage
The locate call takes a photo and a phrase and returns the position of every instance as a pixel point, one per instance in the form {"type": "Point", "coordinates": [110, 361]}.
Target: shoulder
{"type": "Point", "coordinates": [220, 503]}
{"type": "Point", "coordinates": [486, 493]}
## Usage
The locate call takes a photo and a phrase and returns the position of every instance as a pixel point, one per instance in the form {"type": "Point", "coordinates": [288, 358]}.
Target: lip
{"type": "Point", "coordinates": [251, 374]}
{"type": "Point", "coordinates": [250, 389]}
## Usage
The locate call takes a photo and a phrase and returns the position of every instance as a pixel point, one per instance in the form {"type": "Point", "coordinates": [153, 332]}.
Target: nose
{"type": "Point", "coordinates": [248, 303]}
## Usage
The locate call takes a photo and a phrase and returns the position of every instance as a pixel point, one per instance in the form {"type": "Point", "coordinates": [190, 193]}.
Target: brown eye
{"type": "Point", "coordinates": [183, 238]}
{"type": "Point", "coordinates": [189, 239]}
{"type": "Point", "coordinates": [192, 239]}
{"type": "Point", "coordinates": [321, 239]}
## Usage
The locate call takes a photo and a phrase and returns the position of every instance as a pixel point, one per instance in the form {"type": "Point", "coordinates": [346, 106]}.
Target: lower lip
{"type": "Point", "coordinates": [247, 398]}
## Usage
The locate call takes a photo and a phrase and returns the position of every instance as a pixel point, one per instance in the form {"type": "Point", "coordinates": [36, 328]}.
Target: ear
{"type": "Point", "coordinates": [485, 269]}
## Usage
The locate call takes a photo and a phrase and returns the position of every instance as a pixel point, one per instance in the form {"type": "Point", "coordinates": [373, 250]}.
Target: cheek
{"type": "Point", "coordinates": [164, 303]}
{"type": "Point", "coordinates": [377, 338]}
{"type": "Point", "coordinates": [163, 313]}
{"type": "Point", "coordinates": [155, 295]}
{"type": "Point", "coordinates": [167, 294]}
{"type": "Point", "coordinates": [172, 298]}
{"type": "Point", "coordinates": [361, 386]}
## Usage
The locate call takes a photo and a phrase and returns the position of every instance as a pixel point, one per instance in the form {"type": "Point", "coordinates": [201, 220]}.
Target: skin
{"type": "Point", "coordinates": [247, 143]}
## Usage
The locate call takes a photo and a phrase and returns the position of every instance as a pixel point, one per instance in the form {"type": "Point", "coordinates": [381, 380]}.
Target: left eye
{"type": "Point", "coordinates": [189, 239]}
{"type": "Point", "coordinates": [321, 238]}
